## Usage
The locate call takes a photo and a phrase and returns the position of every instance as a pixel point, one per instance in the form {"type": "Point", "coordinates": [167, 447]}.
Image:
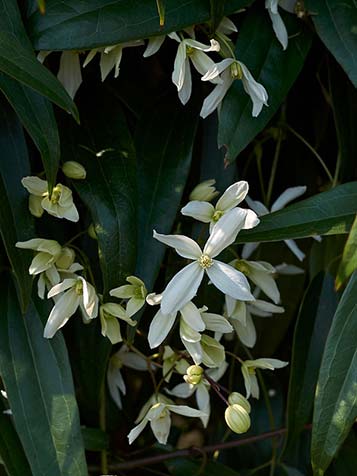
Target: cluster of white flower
{"type": "Point", "coordinates": [202, 360]}
{"type": "Point", "coordinates": [221, 74]}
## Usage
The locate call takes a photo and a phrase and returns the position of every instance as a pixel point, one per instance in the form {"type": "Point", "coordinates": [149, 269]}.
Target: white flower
{"type": "Point", "coordinates": [109, 314]}
{"type": "Point", "coordinates": [191, 50]}
{"type": "Point", "coordinates": [207, 213]}
{"type": "Point", "coordinates": [278, 24]}
{"type": "Point", "coordinates": [115, 381]}
{"type": "Point", "coordinates": [59, 204]}
{"type": "Point", "coordinates": [184, 285]}
{"type": "Point", "coordinates": [240, 315]}
{"type": "Point", "coordinates": [228, 70]}
{"type": "Point", "coordinates": [159, 418]}
{"type": "Point", "coordinates": [78, 293]}
{"type": "Point", "coordinates": [226, 27]}
{"type": "Point", "coordinates": [250, 379]}
{"type": "Point", "coordinates": [204, 191]}
{"type": "Point", "coordinates": [286, 197]}
{"type": "Point", "coordinates": [48, 252]}
{"type": "Point", "coordinates": [69, 73]}
{"type": "Point", "coordinates": [136, 293]}
{"type": "Point", "coordinates": [155, 43]}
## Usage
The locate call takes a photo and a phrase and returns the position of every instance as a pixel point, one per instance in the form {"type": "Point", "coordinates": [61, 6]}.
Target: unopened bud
{"type": "Point", "coordinates": [193, 374]}
{"type": "Point", "coordinates": [74, 170]}
{"type": "Point", "coordinates": [204, 191]}
{"type": "Point", "coordinates": [237, 398]}
{"type": "Point", "coordinates": [237, 418]}
{"type": "Point", "coordinates": [66, 258]}
{"type": "Point", "coordinates": [91, 232]}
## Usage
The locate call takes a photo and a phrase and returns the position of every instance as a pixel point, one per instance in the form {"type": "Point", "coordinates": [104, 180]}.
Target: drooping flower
{"type": "Point", "coordinates": [250, 378]}
{"type": "Point", "coordinates": [278, 24]}
{"type": "Point", "coordinates": [184, 285]}
{"type": "Point", "coordinates": [204, 191]}
{"type": "Point", "coordinates": [77, 292]}
{"type": "Point", "coordinates": [207, 213]}
{"type": "Point", "coordinates": [110, 313]}
{"type": "Point", "coordinates": [158, 415]}
{"type": "Point", "coordinates": [59, 204]}
{"type": "Point", "coordinates": [136, 293]}
{"type": "Point", "coordinates": [229, 70]}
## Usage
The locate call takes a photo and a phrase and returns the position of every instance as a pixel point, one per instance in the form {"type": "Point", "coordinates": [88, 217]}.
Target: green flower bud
{"type": "Point", "coordinates": [237, 418]}
{"type": "Point", "coordinates": [237, 398]}
{"type": "Point", "coordinates": [91, 232]}
{"type": "Point", "coordinates": [193, 374]}
{"type": "Point", "coordinates": [74, 170]}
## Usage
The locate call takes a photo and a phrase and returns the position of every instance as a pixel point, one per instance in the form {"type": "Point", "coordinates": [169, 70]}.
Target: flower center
{"type": "Point", "coordinates": [189, 50]}
{"type": "Point", "coordinates": [217, 215]}
{"type": "Point", "coordinates": [56, 195]}
{"type": "Point", "coordinates": [251, 370]}
{"type": "Point", "coordinates": [139, 292]}
{"type": "Point", "coordinates": [236, 71]}
{"type": "Point", "coordinates": [79, 287]}
{"type": "Point", "coordinates": [205, 261]}
{"type": "Point", "coordinates": [242, 267]}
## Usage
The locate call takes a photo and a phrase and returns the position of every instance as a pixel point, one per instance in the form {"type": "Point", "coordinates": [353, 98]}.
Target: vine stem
{"type": "Point", "coordinates": [150, 460]}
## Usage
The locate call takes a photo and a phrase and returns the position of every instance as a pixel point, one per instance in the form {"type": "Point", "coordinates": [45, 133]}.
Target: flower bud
{"type": "Point", "coordinates": [66, 258]}
{"type": "Point", "coordinates": [237, 398]}
{"type": "Point", "coordinates": [237, 418]}
{"type": "Point", "coordinates": [204, 191]}
{"type": "Point", "coordinates": [193, 374]}
{"type": "Point", "coordinates": [91, 232]}
{"type": "Point", "coordinates": [74, 170]}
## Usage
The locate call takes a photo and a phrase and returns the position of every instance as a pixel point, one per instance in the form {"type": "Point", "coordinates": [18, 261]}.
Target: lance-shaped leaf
{"type": "Point", "coordinates": [335, 407]}
{"type": "Point", "coordinates": [348, 262]}
{"type": "Point", "coordinates": [37, 377]}
{"type": "Point", "coordinates": [15, 219]}
{"type": "Point", "coordinates": [258, 48]}
{"type": "Point", "coordinates": [313, 324]}
{"type": "Point", "coordinates": [328, 213]}
{"type": "Point", "coordinates": [335, 23]}
{"type": "Point", "coordinates": [74, 24]}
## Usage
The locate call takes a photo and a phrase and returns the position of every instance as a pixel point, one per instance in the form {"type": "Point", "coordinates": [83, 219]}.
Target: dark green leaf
{"type": "Point", "coordinates": [12, 455]}
{"type": "Point", "coordinates": [258, 48]}
{"type": "Point", "coordinates": [95, 439]}
{"type": "Point", "coordinates": [314, 320]}
{"type": "Point", "coordinates": [344, 103]}
{"type": "Point", "coordinates": [109, 190]}
{"type": "Point", "coordinates": [74, 24]}
{"type": "Point", "coordinates": [336, 24]}
{"type": "Point", "coordinates": [38, 381]}
{"type": "Point", "coordinates": [15, 219]}
{"type": "Point", "coordinates": [164, 141]}
{"type": "Point", "coordinates": [348, 262]}
{"type": "Point", "coordinates": [328, 213]}
{"type": "Point", "coordinates": [18, 63]}
{"type": "Point", "coordinates": [217, 13]}
{"type": "Point", "coordinates": [36, 115]}
{"type": "Point", "coordinates": [335, 407]}
{"type": "Point", "coordinates": [346, 461]}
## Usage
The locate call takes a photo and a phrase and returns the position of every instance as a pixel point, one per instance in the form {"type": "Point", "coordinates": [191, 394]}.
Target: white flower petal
{"type": "Point", "coordinates": [279, 29]}
{"type": "Point", "coordinates": [180, 64]}
{"type": "Point", "coordinates": [248, 249]}
{"type": "Point", "coordinates": [214, 45]}
{"type": "Point", "coordinates": [194, 349]}
{"type": "Point", "coordinates": [230, 281]}
{"type": "Point", "coordinates": [90, 299]}
{"type": "Point", "coordinates": [133, 361]}
{"type": "Point", "coordinates": [153, 45]}
{"type": "Point", "coordinates": [188, 334]}
{"type": "Point", "coordinates": [192, 316]}
{"type": "Point", "coordinates": [247, 380]}
{"type": "Point", "coordinates": [216, 323]}
{"type": "Point", "coordinates": [214, 99]}
{"type": "Point", "coordinates": [256, 91]}
{"type": "Point", "coordinates": [295, 249]}
{"type": "Point", "coordinates": [184, 93]}
{"type": "Point", "coordinates": [161, 427]}
{"type": "Point", "coordinates": [257, 206]}
{"type": "Point", "coordinates": [160, 327]}
{"type": "Point", "coordinates": [267, 307]}
{"type": "Point", "coordinates": [182, 390]}
{"type": "Point", "coordinates": [69, 73]}
{"type": "Point", "coordinates": [61, 287]}
{"type": "Point", "coordinates": [134, 305]}
{"type": "Point", "coordinates": [230, 305]}
{"type": "Point", "coordinates": [201, 211]}
{"type": "Point", "coordinates": [227, 26]}
{"type": "Point", "coordinates": [115, 383]}
{"type": "Point", "coordinates": [35, 185]}
{"type": "Point", "coordinates": [64, 308]}
{"type": "Point", "coordinates": [234, 195]}
{"type": "Point", "coordinates": [135, 432]}
{"type": "Point", "coordinates": [266, 283]}
{"type": "Point", "coordinates": [239, 313]}
{"type": "Point", "coordinates": [225, 231]}
{"type": "Point", "coordinates": [288, 196]}
{"type": "Point", "coordinates": [185, 410]}
{"type": "Point", "coordinates": [202, 62]}
{"type": "Point", "coordinates": [182, 288]}
{"type": "Point", "coordinates": [288, 269]}
{"type": "Point", "coordinates": [184, 246]}
{"type": "Point", "coordinates": [251, 220]}
{"type": "Point", "coordinates": [203, 403]}
{"type": "Point", "coordinates": [246, 333]}
{"type": "Point", "coordinates": [217, 69]}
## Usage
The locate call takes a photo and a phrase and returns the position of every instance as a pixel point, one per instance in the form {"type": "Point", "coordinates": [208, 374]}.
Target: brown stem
{"type": "Point", "coordinates": [127, 465]}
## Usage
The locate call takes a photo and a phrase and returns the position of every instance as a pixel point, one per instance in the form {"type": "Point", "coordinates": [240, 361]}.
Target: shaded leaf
{"type": "Point", "coordinates": [335, 407]}
{"type": "Point", "coordinates": [38, 381]}
{"type": "Point", "coordinates": [74, 24]}
{"type": "Point", "coordinates": [15, 219]}
{"type": "Point", "coordinates": [327, 213]}
{"type": "Point", "coordinates": [348, 262]}
{"type": "Point", "coordinates": [312, 327]}
{"type": "Point", "coordinates": [277, 70]}
{"type": "Point", "coordinates": [336, 24]}
{"type": "Point", "coordinates": [95, 439]}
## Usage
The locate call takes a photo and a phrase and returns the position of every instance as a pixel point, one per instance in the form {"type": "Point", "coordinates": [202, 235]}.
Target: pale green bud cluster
{"type": "Point", "coordinates": [237, 413]}
{"type": "Point", "coordinates": [74, 170]}
{"type": "Point", "coordinates": [194, 375]}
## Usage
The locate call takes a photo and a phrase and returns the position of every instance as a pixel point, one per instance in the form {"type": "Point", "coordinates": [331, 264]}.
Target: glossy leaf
{"type": "Point", "coordinates": [74, 24]}
{"type": "Point", "coordinates": [109, 190]}
{"type": "Point", "coordinates": [277, 70]}
{"type": "Point", "coordinates": [18, 63]}
{"type": "Point", "coordinates": [312, 327]}
{"type": "Point", "coordinates": [12, 455]}
{"type": "Point", "coordinates": [335, 407]}
{"type": "Point", "coordinates": [335, 23]}
{"type": "Point", "coordinates": [348, 262]}
{"type": "Point", "coordinates": [38, 381]}
{"type": "Point", "coordinates": [164, 141]}
{"type": "Point", "coordinates": [328, 213]}
{"type": "Point", "coordinates": [36, 115]}
{"type": "Point", "coordinates": [15, 219]}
